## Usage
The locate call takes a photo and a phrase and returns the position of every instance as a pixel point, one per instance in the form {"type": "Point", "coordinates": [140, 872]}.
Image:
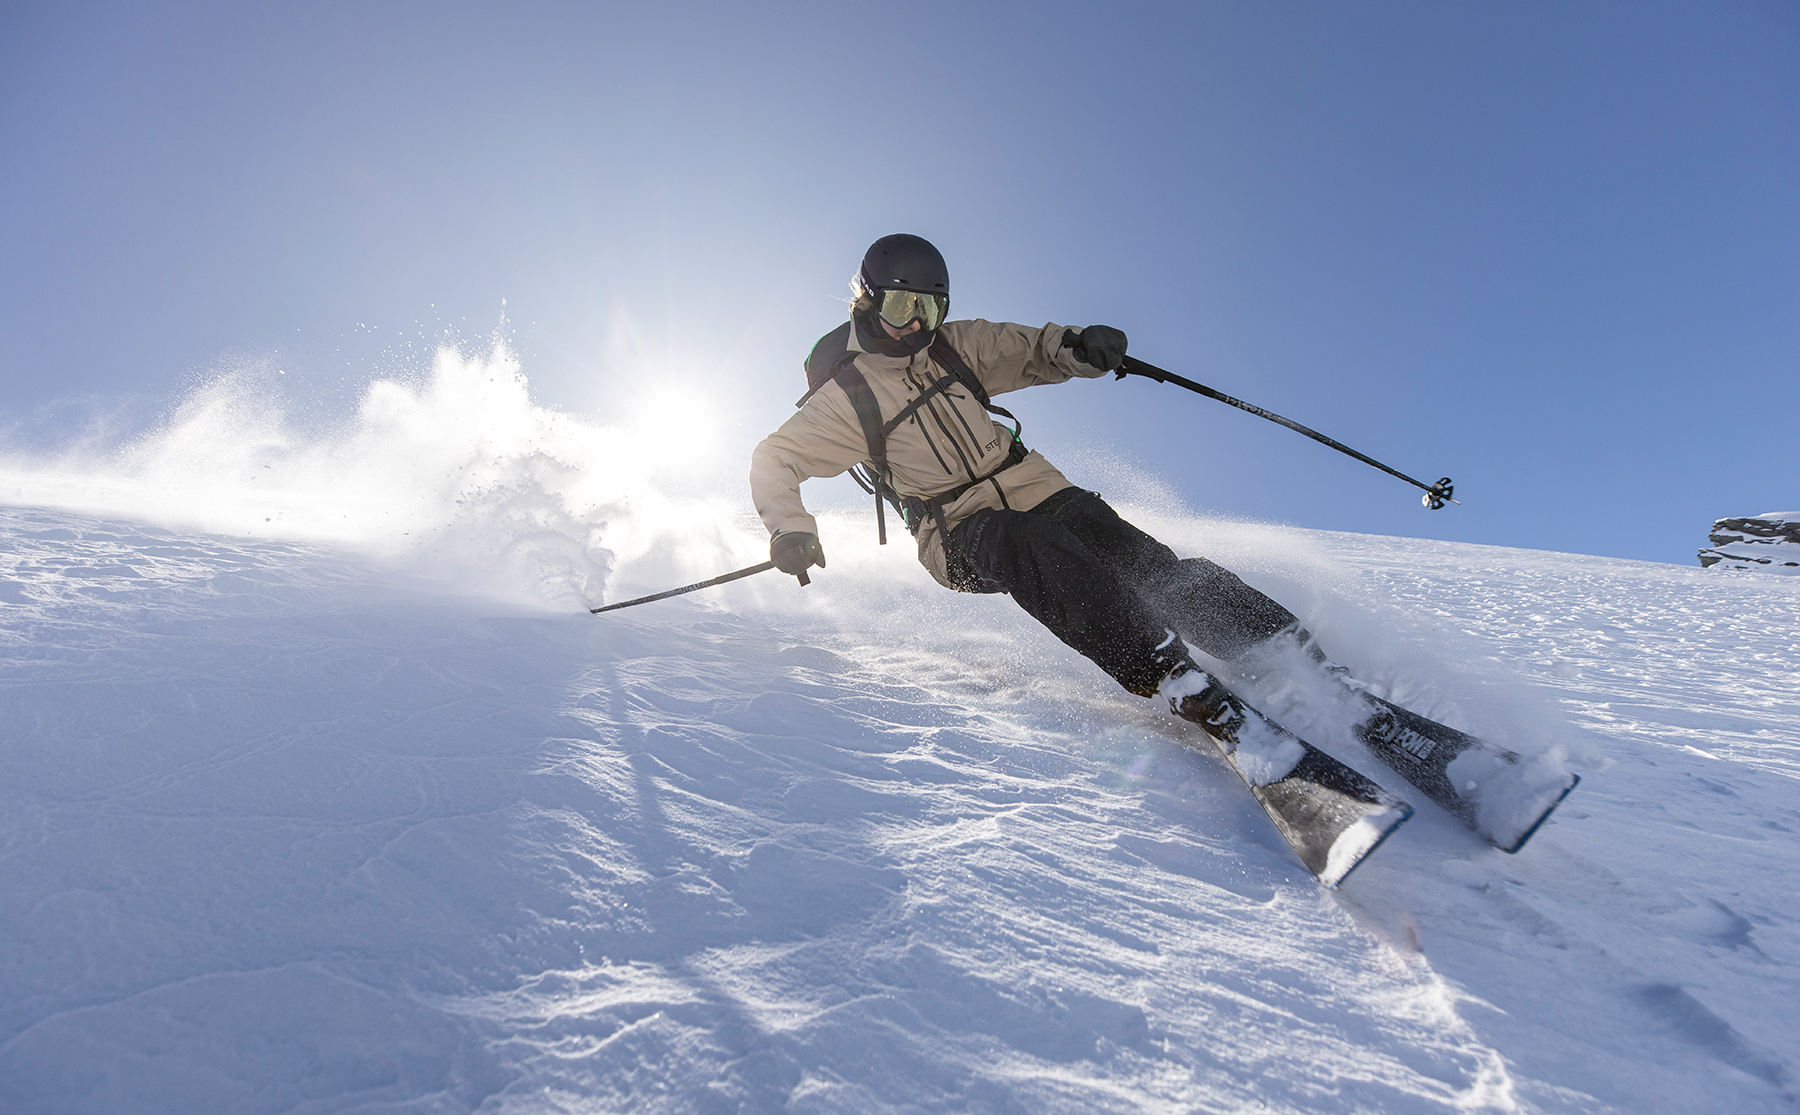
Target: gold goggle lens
{"type": "Point", "coordinates": [900, 307]}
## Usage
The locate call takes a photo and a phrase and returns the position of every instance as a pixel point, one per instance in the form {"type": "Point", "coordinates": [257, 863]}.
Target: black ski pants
{"type": "Point", "coordinates": [1108, 589]}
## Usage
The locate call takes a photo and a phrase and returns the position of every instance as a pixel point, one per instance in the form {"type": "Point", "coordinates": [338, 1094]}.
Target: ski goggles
{"type": "Point", "coordinates": [900, 308]}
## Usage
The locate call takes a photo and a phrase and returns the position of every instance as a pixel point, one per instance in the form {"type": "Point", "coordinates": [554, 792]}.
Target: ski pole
{"type": "Point", "coordinates": [1435, 494]}
{"type": "Point", "coordinates": [750, 572]}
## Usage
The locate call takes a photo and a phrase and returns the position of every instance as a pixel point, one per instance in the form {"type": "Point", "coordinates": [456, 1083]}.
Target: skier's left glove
{"type": "Point", "coordinates": [1101, 346]}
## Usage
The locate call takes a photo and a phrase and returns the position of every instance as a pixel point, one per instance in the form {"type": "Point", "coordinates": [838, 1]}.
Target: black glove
{"type": "Point", "coordinates": [1101, 346]}
{"type": "Point", "coordinates": [794, 553]}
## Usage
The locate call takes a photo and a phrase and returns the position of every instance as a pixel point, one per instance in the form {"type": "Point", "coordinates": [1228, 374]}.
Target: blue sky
{"type": "Point", "coordinates": [1548, 249]}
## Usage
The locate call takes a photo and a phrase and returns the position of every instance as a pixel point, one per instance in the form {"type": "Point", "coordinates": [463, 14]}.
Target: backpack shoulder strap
{"type": "Point", "coordinates": [952, 360]}
{"type": "Point", "coordinates": [826, 360]}
{"type": "Point", "coordinates": [868, 412]}
{"type": "Point", "coordinates": [956, 372]}
{"type": "Point", "coordinates": [831, 360]}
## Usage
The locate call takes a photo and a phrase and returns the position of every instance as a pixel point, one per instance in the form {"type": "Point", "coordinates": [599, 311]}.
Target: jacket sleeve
{"type": "Point", "coordinates": [823, 439]}
{"type": "Point", "coordinates": [1007, 357]}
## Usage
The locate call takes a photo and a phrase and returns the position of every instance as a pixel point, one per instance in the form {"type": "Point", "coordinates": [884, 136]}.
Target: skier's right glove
{"type": "Point", "coordinates": [794, 553]}
{"type": "Point", "coordinates": [1101, 346]}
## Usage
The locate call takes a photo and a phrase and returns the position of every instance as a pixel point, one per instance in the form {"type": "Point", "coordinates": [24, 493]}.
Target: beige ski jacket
{"type": "Point", "coordinates": [948, 442]}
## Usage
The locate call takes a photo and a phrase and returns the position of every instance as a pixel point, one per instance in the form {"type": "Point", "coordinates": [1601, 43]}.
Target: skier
{"type": "Point", "coordinates": [902, 399]}
{"type": "Point", "coordinates": [907, 391]}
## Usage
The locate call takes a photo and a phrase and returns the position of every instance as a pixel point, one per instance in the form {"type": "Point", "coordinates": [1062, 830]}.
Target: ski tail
{"type": "Point", "coordinates": [1332, 815]}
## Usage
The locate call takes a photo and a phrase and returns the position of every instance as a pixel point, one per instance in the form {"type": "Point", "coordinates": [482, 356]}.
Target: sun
{"type": "Point", "coordinates": [674, 428]}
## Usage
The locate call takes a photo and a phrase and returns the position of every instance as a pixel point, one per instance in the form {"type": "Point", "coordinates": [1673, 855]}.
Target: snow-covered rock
{"type": "Point", "coordinates": [1770, 541]}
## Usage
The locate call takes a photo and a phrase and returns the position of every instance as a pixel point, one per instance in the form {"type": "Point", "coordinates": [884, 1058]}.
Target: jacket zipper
{"type": "Point", "coordinates": [912, 381]}
{"type": "Point", "coordinates": [937, 416]}
{"type": "Point", "coordinates": [956, 410]}
{"type": "Point", "coordinates": [932, 445]}
{"type": "Point", "coordinates": [954, 444]}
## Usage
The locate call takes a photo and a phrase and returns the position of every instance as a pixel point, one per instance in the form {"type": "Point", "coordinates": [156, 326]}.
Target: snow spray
{"type": "Point", "coordinates": [457, 474]}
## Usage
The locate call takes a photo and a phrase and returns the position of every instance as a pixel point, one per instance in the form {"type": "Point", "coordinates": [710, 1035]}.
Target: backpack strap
{"type": "Point", "coordinates": [949, 358]}
{"type": "Point", "coordinates": [831, 360]}
{"type": "Point", "coordinates": [829, 357]}
{"type": "Point", "coordinates": [868, 412]}
{"type": "Point", "coordinates": [959, 372]}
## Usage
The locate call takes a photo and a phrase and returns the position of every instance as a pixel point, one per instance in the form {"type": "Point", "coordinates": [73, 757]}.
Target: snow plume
{"type": "Point", "coordinates": [457, 473]}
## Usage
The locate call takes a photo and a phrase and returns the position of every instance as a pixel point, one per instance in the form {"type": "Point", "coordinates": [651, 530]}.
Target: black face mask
{"type": "Point", "coordinates": [874, 338]}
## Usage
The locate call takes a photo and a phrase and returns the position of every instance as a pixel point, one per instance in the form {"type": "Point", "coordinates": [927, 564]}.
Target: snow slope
{"type": "Point", "coordinates": [340, 822]}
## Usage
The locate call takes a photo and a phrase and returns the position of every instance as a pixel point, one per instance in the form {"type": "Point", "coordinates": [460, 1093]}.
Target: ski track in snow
{"type": "Point", "coordinates": [287, 831]}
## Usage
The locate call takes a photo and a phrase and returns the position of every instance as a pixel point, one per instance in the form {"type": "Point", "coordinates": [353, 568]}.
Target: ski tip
{"type": "Point", "coordinates": [1574, 781]}
{"type": "Point", "coordinates": [1355, 843]}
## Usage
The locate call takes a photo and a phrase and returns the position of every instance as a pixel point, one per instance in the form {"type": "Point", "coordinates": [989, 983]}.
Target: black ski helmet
{"type": "Point", "coordinates": [905, 262]}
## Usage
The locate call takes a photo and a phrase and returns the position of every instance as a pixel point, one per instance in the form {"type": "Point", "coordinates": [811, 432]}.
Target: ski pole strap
{"type": "Point", "coordinates": [733, 576]}
{"type": "Point", "coordinates": [1436, 495]}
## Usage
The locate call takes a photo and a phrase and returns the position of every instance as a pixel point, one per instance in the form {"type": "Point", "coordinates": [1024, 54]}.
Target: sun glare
{"type": "Point", "coordinates": [674, 428]}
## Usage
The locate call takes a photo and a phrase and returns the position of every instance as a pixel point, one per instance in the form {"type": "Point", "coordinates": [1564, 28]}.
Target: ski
{"type": "Point", "coordinates": [1484, 786]}
{"type": "Point", "coordinates": [1332, 815]}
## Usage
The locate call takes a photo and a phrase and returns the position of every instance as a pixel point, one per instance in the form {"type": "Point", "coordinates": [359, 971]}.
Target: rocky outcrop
{"type": "Point", "coordinates": [1769, 542]}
